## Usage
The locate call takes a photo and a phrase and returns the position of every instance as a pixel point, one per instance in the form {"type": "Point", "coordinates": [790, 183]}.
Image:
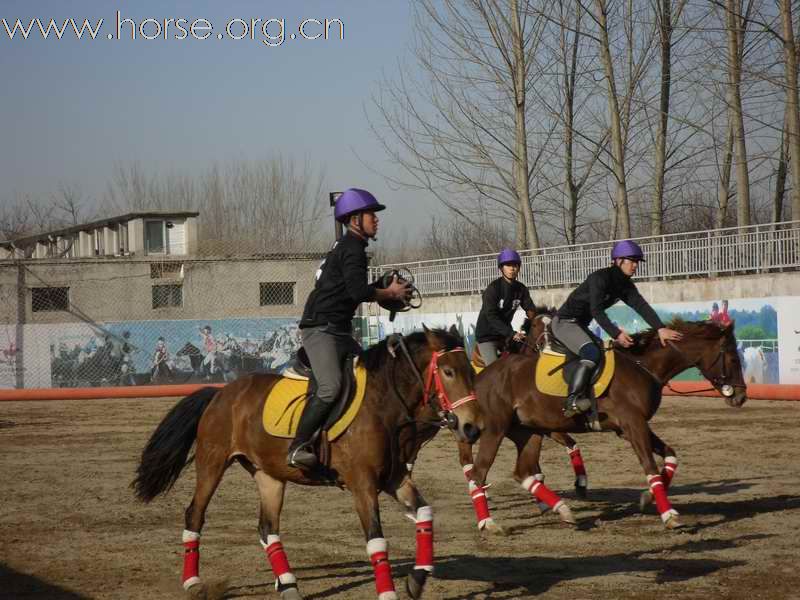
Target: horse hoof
{"type": "Point", "coordinates": [490, 526]}
{"type": "Point", "coordinates": [645, 500]}
{"type": "Point", "coordinates": [580, 491]}
{"type": "Point", "coordinates": [291, 593]}
{"type": "Point", "coordinates": [565, 514]}
{"type": "Point", "coordinates": [415, 583]}
{"type": "Point", "coordinates": [673, 523]}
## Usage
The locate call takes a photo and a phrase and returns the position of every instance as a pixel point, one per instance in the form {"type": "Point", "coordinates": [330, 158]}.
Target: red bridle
{"type": "Point", "coordinates": [434, 379]}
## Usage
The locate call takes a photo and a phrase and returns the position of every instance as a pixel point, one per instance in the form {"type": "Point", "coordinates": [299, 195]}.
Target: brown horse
{"type": "Point", "coordinates": [514, 408]}
{"type": "Point", "coordinates": [415, 385]}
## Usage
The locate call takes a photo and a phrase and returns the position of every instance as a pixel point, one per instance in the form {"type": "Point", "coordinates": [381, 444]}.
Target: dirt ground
{"type": "Point", "coordinates": [70, 528]}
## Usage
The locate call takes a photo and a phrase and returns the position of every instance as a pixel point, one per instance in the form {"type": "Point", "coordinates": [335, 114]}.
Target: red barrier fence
{"type": "Point", "coordinates": [755, 391]}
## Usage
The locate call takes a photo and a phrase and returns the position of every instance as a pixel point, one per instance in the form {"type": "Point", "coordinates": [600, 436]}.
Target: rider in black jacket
{"type": "Point", "coordinates": [599, 291]}
{"type": "Point", "coordinates": [326, 325]}
{"type": "Point", "coordinates": [501, 299]}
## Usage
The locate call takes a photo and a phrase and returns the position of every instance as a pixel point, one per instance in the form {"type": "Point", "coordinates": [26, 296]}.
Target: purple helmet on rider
{"type": "Point", "coordinates": [354, 201]}
{"type": "Point", "coordinates": [508, 256]}
{"type": "Point", "coordinates": [627, 249]}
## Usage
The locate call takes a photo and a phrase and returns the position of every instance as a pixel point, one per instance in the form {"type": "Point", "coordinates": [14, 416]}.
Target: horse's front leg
{"type": "Point", "coordinates": [476, 477]}
{"type": "Point", "coordinates": [366, 500]}
{"type": "Point", "coordinates": [667, 471]}
{"type": "Point", "coordinates": [528, 473]}
{"type": "Point", "coordinates": [638, 433]}
{"type": "Point", "coordinates": [408, 495]}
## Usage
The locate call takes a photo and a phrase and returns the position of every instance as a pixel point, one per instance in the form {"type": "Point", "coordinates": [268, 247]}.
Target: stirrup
{"type": "Point", "coordinates": [576, 405]}
{"type": "Point", "coordinates": [302, 457]}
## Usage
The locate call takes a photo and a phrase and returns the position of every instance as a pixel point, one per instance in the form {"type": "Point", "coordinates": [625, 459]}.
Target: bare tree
{"type": "Point", "coordinates": [463, 133]}
{"type": "Point", "coordinates": [792, 109]}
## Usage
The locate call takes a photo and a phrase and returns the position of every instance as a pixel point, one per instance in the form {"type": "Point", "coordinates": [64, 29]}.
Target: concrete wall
{"type": "Point", "coordinates": [683, 290]}
{"type": "Point", "coordinates": [120, 289]}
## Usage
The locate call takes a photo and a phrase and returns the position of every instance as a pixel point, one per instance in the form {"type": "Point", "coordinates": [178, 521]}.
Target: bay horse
{"type": "Point", "coordinates": [415, 385]}
{"type": "Point", "coordinates": [514, 408]}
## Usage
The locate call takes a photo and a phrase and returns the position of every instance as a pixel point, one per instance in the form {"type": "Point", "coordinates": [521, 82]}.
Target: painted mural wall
{"type": "Point", "coordinates": [767, 330]}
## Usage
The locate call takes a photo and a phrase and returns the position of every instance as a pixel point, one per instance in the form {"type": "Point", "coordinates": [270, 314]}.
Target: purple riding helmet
{"type": "Point", "coordinates": [627, 249]}
{"type": "Point", "coordinates": [353, 201]}
{"type": "Point", "coordinates": [508, 256]}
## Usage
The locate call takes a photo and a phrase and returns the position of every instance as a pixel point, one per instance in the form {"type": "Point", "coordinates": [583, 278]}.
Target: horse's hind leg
{"type": "Point", "coordinates": [409, 496]}
{"type": "Point", "coordinates": [271, 492]}
{"type": "Point", "coordinates": [575, 459]}
{"type": "Point", "coordinates": [529, 474]}
{"type": "Point", "coordinates": [641, 438]}
{"type": "Point", "coordinates": [667, 471]}
{"type": "Point", "coordinates": [366, 498]}
{"type": "Point", "coordinates": [210, 465]}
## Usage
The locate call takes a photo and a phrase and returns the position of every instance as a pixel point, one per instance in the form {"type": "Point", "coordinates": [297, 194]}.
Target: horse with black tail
{"type": "Point", "coordinates": [515, 407]}
{"type": "Point", "coordinates": [409, 386]}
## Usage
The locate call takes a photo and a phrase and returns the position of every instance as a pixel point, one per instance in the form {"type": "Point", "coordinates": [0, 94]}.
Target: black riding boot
{"type": "Point", "coordinates": [577, 402]}
{"type": "Point", "coordinates": [301, 453]}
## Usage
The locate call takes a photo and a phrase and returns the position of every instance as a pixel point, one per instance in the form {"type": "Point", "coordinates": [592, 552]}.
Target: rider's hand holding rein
{"type": "Point", "coordinates": [623, 339]}
{"type": "Point", "coordinates": [666, 334]}
{"type": "Point", "coordinates": [396, 290]}
{"type": "Point", "coordinates": [519, 336]}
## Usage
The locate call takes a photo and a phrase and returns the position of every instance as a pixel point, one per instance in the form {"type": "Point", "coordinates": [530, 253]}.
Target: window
{"type": "Point", "coordinates": [276, 293]}
{"type": "Point", "coordinates": [167, 295]}
{"type": "Point", "coordinates": [154, 237]}
{"type": "Point", "coordinates": [49, 298]}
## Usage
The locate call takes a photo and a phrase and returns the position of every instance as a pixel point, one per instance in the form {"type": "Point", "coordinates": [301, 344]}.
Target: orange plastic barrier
{"type": "Point", "coordinates": [755, 391]}
{"type": "Point", "coordinates": [91, 393]}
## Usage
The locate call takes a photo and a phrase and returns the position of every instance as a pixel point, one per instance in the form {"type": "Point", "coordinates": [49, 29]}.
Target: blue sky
{"type": "Point", "coordinates": [73, 109]}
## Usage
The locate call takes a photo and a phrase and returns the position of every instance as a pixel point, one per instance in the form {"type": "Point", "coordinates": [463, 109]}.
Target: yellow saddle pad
{"type": "Point", "coordinates": [287, 398]}
{"type": "Point", "coordinates": [554, 385]}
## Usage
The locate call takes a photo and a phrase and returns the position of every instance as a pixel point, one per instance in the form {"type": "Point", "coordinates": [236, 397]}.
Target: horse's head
{"type": "Point", "coordinates": [450, 383]}
{"type": "Point", "coordinates": [534, 328]}
{"type": "Point", "coordinates": [714, 345]}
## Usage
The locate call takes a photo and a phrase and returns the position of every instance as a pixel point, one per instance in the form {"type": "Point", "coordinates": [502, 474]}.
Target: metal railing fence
{"type": "Point", "coordinates": [751, 249]}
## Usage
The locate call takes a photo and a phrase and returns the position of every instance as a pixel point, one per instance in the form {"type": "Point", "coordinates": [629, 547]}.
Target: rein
{"type": "Point", "coordinates": [717, 383]}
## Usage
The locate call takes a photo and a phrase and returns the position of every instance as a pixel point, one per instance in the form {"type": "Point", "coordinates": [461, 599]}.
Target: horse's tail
{"type": "Point", "coordinates": [167, 451]}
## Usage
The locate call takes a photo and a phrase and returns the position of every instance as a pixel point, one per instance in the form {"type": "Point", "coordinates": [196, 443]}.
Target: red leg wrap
{"type": "Point", "coordinates": [668, 472]}
{"type": "Point", "coordinates": [383, 572]}
{"type": "Point", "coordinates": [577, 461]}
{"type": "Point", "coordinates": [277, 559]}
{"type": "Point", "coordinates": [659, 493]}
{"type": "Point", "coordinates": [191, 559]}
{"type": "Point", "coordinates": [424, 545]}
{"type": "Point", "coordinates": [479, 502]}
{"type": "Point", "coordinates": [542, 493]}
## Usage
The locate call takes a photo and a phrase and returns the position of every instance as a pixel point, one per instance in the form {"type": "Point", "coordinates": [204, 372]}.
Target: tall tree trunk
{"type": "Point", "coordinates": [724, 185]}
{"type": "Point", "coordinates": [780, 174]}
{"type": "Point", "coordinates": [570, 69]}
{"type": "Point", "coordinates": [735, 35]}
{"type": "Point", "coordinates": [521, 175]}
{"type": "Point", "coordinates": [623, 217]}
{"type": "Point", "coordinates": [664, 15]}
{"type": "Point", "coordinates": [793, 116]}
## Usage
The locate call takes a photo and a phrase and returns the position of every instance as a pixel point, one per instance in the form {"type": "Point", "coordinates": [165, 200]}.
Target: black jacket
{"type": "Point", "coordinates": [602, 289]}
{"type": "Point", "coordinates": [501, 300]}
{"type": "Point", "coordinates": [341, 285]}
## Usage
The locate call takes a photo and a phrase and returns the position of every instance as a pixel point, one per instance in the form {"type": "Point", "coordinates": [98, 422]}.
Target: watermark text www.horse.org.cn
{"type": "Point", "coordinates": [271, 32]}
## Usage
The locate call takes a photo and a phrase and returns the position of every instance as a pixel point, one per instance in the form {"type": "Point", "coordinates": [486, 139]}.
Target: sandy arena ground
{"type": "Point", "coordinates": [70, 528]}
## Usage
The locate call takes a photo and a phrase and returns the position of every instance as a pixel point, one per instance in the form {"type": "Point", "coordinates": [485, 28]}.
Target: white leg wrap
{"type": "Point", "coordinates": [190, 582]}
{"type": "Point", "coordinates": [387, 596]}
{"type": "Point", "coordinates": [467, 468]}
{"type": "Point", "coordinates": [668, 514]}
{"type": "Point", "coordinates": [189, 536]}
{"type": "Point", "coordinates": [582, 480]}
{"type": "Point", "coordinates": [424, 513]}
{"type": "Point", "coordinates": [377, 545]}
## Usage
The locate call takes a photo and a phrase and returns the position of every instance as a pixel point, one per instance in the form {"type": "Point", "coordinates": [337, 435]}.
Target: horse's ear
{"type": "Point", "coordinates": [454, 332]}
{"type": "Point", "coordinates": [433, 341]}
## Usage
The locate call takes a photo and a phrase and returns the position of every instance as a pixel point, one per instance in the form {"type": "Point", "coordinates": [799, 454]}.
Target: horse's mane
{"type": "Point", "coordinates": [694, 329]}
{"type": "Point", "coordinates": [374, 357]}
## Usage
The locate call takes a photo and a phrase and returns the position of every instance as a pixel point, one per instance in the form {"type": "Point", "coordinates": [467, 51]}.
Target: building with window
{"type": "Point", "coordinates": [153, 233]}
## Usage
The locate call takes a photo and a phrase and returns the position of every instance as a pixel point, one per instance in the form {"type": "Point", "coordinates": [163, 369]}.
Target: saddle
{"type": "Point", "coordinates": [286, 400]}
{"type": "Point", "coordinates": [556, 364]}
{"type": "Point", "coordinates": [477, 360]}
